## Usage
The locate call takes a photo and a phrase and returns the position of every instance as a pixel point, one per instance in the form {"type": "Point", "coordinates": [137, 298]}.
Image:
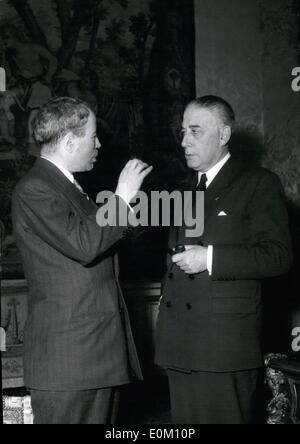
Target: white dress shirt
{"type": "Point", "coordinates": [211, 174]}
{"type": "Point", "coordinates": [71, 178]}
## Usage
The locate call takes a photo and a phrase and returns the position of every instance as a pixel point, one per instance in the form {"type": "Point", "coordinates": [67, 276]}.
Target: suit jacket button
{"type": "Point", "coordinates": [171, 275]}
{"type": "Point", "coordinates": [188, 306]}
{"type": "Point", "coordinates": [168, 304]}
{"type": "Point", "coordinates": [191, 277]}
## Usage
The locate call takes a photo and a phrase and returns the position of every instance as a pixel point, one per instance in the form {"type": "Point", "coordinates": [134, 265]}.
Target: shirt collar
{"type": "Point", "coordinates": [67, 173]}
{"type": "Point", "coordinates": [211, 174]}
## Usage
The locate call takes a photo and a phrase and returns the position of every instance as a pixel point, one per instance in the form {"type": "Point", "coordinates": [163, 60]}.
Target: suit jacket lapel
{"type": "Point", "coordinates": [64, 186]}
{"type": "Point", "coordinates": [176, 236]}
{"type": "Point", "coordinates": [213, 196]}
{"type": "Point", "coordinates": [220, 185]}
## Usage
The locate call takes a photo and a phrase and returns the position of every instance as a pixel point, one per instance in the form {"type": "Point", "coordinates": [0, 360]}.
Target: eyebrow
{"type": "Point", "coordinates": [193, 126]}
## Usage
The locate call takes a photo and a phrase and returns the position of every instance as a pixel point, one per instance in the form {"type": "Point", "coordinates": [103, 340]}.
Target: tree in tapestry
{"type": "Point", "coordinates": [131, 60]}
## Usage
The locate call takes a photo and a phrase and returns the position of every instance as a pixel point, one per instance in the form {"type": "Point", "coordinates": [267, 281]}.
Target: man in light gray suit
{"type": "Point", "coordinates": [78, 343]}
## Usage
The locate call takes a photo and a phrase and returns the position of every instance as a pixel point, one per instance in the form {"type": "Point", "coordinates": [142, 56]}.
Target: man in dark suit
{"type": "Point", "coordinates": [209, 325]}
{"type": "Point", "coordinates": [78, 343]}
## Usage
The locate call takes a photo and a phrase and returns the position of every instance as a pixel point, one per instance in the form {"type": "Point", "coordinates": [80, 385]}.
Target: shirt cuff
{"type": "Point", "coordinates": [210, 253]}
{"type": "Point", "coordinates": [127, 203]}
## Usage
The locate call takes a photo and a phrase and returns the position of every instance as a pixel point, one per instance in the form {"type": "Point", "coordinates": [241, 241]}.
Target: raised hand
{"type": "Point", "coordinates": [131, 179]}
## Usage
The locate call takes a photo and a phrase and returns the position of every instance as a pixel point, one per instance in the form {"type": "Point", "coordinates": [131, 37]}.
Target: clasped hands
{"type": "Point", "coordinates": [193, 260]}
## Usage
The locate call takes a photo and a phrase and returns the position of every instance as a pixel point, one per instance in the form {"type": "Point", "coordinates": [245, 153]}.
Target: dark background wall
{"type": "Point", "coordinates": [245, 52]}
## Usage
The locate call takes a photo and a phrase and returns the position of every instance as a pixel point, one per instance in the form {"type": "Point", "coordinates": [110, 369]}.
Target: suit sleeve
{"type": "Point", "coordinates": [269, 251]}
{"type": "Point", "coordinates": [72, 232]}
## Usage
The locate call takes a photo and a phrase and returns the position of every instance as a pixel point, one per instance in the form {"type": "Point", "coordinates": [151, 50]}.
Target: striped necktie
{"type": "Point", "coordinates": [80, 188]}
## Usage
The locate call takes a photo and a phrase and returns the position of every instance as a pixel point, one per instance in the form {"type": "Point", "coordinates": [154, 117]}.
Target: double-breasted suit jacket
{"type": "Point", "coordinates": [213, 322]}
{"type": "Point", "coordinates": [77, 335]}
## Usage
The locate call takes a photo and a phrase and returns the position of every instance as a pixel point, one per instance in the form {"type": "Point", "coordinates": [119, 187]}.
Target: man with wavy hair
{"type": "Point", "coordinates": [78, 343]}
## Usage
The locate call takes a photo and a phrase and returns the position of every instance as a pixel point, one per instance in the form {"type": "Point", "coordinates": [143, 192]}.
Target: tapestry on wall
{"type": "Point", "coordinates": [131, 60]}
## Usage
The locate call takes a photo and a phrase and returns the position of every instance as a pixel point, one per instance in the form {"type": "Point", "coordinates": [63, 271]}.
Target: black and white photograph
{"type": "Point", "coordinates": [150, 214]}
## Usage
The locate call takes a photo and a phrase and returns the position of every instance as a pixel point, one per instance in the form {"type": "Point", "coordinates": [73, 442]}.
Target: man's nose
{"type": "Point", "coordinates": [185, 140]}
{"type": "Point", "coordinates": [98, 144]}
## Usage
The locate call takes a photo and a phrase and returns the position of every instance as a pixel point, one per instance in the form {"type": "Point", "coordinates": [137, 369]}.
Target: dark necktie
{"type": "Point", "coordinates": [202, 184]}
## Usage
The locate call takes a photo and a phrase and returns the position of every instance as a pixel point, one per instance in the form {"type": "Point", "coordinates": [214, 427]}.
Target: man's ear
{"type": "Point", "coordinates": [69, 143]}
{"type": "Point", "coordinates": [225, 135]}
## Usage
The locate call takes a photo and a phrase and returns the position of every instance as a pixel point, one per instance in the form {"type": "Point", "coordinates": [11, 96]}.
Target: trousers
{"type": "Point", "coordinates": [212, 398]}
{"type": "Point", "coordinates": [78, 407]}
